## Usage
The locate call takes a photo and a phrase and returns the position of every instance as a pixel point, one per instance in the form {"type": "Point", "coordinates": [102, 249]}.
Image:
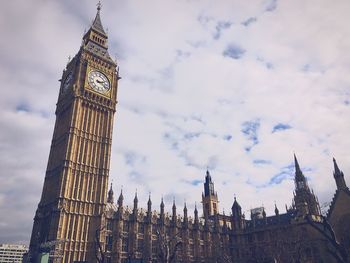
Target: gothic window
{"type": "Point", "coordinates": [126, 226]}
{"type": "Point", "coordinates": [154, 230]}
{"type": "Point", "coordinates": [125, 244]}
{"type": "Point", "coordinates": [140, 245]}
{"type": "Point", "coordinates": [154, 247]}
{"type": "Point", "coordinates": [191, 249]}
{"type": "Point", "coordinates": [141, 228]}
{"type": "Point", "coordinates": [109, 225]}
{"type": "Point", "coordinates": [109, 242]}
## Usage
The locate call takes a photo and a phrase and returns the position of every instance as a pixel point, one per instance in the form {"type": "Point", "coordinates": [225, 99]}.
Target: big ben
{"type": "Point", "coordinates": [70, 211]}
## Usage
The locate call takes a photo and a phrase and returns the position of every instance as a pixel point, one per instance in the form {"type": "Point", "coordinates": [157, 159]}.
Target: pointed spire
{"type": "Point", "coordinates": [298, 172]}
{"type": "Point", "coordinates": [136, 200]}
{"type": "Point", "coordinates": [339, 177]}
{"type": "Point", "coordinates": [162, 207]}
{"type": "Point", "coordinates": [110, 198]}
{"type": "Point", "coordinates": [299, 180]}
{"type": "Point", "coordinates": [276, 210]}
{"type": "Point", "coordinates": [121, 198]}
{"type": "Point", "coordinates": [174, 206]}
{"type": "Point", "coordinates": [208, 185]}
{"type": "Point", "coordinates": [97, 24]}
{"type": "Point", "coordinates": [149, 203]}
{"type": "Point", "coordinates": [185, 209]}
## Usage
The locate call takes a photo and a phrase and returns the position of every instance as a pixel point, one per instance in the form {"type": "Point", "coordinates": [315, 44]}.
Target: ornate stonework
{"type": "Point", "coordinates": [76, 182]}
{"type": "Point", "coordinates": [78, 221]}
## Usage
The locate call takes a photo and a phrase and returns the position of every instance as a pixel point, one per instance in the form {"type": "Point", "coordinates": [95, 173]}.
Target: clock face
{"type": "Point", "coordinates": [67, 82]}
{"type": "Point", "coordinates": [98, 81]}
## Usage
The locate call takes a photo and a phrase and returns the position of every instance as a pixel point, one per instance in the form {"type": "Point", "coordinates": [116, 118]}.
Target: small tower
{"type": "Point", "coordinates": [209, 198]}
{"type": "Point", "coordinates": [303, 195]}
{"type": "Point", "coordinates": [110, 198]}
{"type": "Point", "coordinates": [339, 177]}
{"type": "Point", "coordinates": [237, 219]}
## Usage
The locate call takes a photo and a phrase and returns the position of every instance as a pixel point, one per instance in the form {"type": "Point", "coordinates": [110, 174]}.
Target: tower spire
{"type": "Point", "coordinates": [97, 24]}
{"type": "Point", "coordinates": [339, 177]}
{"type": "Point", "coordinates": [300, 179]}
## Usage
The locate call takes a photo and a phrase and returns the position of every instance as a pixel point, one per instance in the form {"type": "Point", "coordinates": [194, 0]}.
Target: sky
{"type": "Point", "coordinates": [236, 87]}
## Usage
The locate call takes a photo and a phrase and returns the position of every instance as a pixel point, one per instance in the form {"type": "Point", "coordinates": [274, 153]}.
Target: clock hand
{"type": "Point", "coordinates": [99, 81]}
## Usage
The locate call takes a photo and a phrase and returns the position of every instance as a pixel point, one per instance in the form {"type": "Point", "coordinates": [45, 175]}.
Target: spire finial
{"type": "Point", "coordinates": [336, 168]}
{"type": "Point", "coordinates": [99, 6]}
{"type": "Point", "coordinates": [297, 167]}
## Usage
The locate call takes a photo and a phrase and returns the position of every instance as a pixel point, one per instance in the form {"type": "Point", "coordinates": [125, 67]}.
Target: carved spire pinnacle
{"type": "Point", "coordinates": [298, 172]}
{"type": "Point", "coordinates": [136, 200]}
{"type": "Point", "coordinates": [300, 179]}
{"type": "Point", "coordinates": [339, 177]}
{"type": "Point", "coordinates": [121, 198]}
{"type": "Point", "coordinates": [97, 24]}
{"type": "Point", "coordinates": [276, 210]}
{"type": "Point", "coordinates": [110, 198]}
{"type": "Point", "coordinates": [149, 203]}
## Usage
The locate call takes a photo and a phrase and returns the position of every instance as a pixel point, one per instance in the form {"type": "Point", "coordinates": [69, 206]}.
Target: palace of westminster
{"type": "Point", "coordinates": [79, 220]}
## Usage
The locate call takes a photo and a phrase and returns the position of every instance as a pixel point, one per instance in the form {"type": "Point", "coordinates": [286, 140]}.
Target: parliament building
{"type": "Point", "coordinates": [78, 218]}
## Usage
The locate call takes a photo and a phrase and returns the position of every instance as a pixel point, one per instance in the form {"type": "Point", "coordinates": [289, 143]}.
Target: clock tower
{"type": "Point", "coordinates": [73, 200]}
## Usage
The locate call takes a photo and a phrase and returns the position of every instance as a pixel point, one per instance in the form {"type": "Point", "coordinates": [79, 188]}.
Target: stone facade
{"type": "Point", "coordinates": [136, 234]}
{"type": "Point", "coordinates": [76, 181]}
{"type": "Point", "coordinates": [78, 221]}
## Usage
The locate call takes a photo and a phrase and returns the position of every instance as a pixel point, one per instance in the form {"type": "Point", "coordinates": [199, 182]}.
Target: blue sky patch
{"type": "Point", "coordinates": [249, 21]}
{"type": "Point", "coordinates": [280, 177]}
{"type": "Point", "coordinates": [234, 51]}
{"type": "Point", "coordinates": [271, 6]}
{"type": "Point", "coordinates": [23, 106]}
{"type": "Point", "coordinates": [221, 25]}
{"type": "Point", "coordinates": [250, 129]}
{"type": "Point", "coordinates": [281, 127]}
{"type": "Point", "coordinates": [228, 137]}
{"type": "Point", "coordinates": [260, 161]}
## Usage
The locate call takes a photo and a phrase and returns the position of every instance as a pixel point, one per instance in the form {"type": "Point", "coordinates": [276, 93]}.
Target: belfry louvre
{"type": "Point", "coordinates": [78, 220]}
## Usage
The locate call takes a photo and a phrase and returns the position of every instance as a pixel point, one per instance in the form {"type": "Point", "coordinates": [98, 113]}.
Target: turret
{"type": "Point", "coordinates": [209, 197]}
{"type": "Point", "coordinates": [339, 177]}
{"type": "Point", "coordinates": [237, 219]}
{"type": "Point", "coordinates": [303, 195]}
